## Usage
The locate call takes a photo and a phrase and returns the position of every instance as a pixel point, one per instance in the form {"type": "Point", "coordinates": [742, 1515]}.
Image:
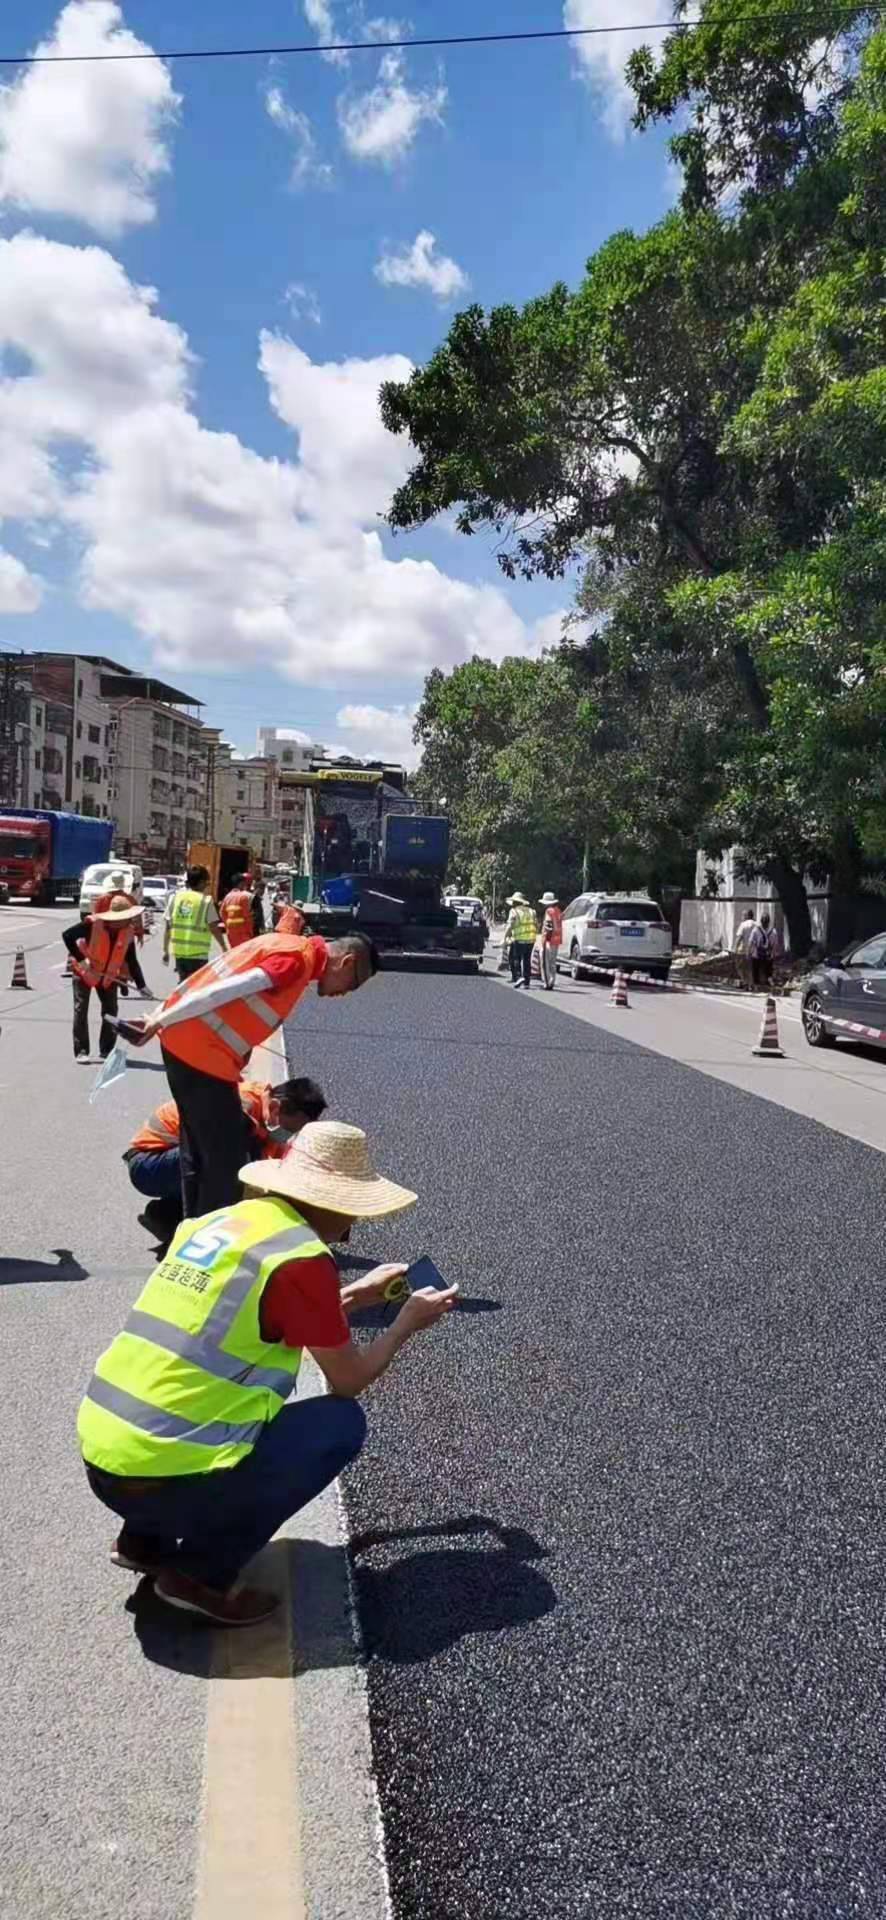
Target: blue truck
{"type": "Point", "coordinates": [43, 854]}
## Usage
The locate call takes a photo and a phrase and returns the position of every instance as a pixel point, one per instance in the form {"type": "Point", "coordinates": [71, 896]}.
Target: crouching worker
{"type": "Point", "coordinates": [274, 1115]}
{"type": "Point", "coordinates": [185, 1430]}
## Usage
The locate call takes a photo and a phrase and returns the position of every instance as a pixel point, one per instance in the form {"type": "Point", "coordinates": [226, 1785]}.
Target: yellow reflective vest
{"type": "Point", "coordinates": [189, 1383]}
{"type": "Point", "coordinates": [523, 924]}
{"type": "Point", "coordinates": [189, 925]}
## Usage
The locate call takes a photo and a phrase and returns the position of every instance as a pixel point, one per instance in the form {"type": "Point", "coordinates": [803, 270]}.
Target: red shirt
{"type": "Point", "coordinates": [301, 1304]}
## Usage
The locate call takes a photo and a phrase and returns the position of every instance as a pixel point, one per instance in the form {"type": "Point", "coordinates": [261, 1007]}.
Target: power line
{"type": "Point", "coordinates": [837, 12]}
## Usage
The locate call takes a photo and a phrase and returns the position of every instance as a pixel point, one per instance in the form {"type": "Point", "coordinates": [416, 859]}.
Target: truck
{"type": "Point", "coordinates": [223, 864]}
{"type": "Point", "coordinates": [377, 866]}
{"type": "Point", "coordinates": [43, 854]}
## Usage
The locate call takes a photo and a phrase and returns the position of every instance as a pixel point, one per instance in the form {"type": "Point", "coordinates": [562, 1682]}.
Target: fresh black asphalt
{"type": "Point", "coordinates": [618, 1528]}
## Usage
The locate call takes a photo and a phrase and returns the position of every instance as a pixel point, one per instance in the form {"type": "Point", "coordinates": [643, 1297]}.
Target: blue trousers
{"type": "Point", "coordinates": [210, 1525]}
{"type": "Point", "coordinates": [157, 1175]}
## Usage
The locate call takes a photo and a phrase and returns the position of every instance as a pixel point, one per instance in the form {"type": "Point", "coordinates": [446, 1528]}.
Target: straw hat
{"type": "Point", "coordinates": [518, 900]}
{"type": "Point", "coordinates": [117, 910]}
{"type": "Point", "coordinates": [548, 899]}
{"type": "Point", "coordinates": [328, 1165]}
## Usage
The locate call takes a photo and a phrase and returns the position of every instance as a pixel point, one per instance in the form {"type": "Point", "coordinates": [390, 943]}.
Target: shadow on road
{"type": "Point", "coordinates": [15, 1273]}
{"type": "Point", "coordinates": [413, 1608]}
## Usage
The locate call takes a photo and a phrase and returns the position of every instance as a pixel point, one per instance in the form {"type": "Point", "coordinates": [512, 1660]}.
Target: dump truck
{"type": "Point", "coordinates": [377, 866]}
{"type": "Point", "coordinates": [43, 853]}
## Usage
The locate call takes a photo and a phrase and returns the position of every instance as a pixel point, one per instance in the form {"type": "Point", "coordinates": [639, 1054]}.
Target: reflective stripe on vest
{"type": "Point", "coordinates": [189, 925]}
{"type": "Point", "coordinates": [218, 1044]}
{"type": "Point", "coordinates": [524, 927]}
{"type": "Point", "coordinates": [104, 962]}
{"type": "Point", "coordinates": [190, 1382]}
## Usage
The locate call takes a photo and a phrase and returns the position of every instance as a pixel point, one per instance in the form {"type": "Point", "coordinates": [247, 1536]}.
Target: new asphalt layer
{"type": "Point", "coordinates": [617, 1531]}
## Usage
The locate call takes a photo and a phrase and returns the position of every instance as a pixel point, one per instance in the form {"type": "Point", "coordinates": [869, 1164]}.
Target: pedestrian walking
{"type": "Point", "coordinates": [742, 948]}
{"type": "Point", "coordinates": [100, 946]}
{"type": "Point", "coordinates": [209, 1026]}
{"type": "Point", "coordinates": [185, 1431]}
{"type": "Point", "coordinates": [192, 922]}
{"type": "Point", "coordinates": [770, 951]}
{"type": "Point", "coordinates": [237, 912]}
{"type": "Point", "coordinates": [520, 932]}
{"type": "Point", "coordinates": [274, 1115]}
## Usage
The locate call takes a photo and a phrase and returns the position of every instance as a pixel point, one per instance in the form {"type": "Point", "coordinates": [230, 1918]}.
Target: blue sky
{"type": "Point", "coordinates": [178, 493]}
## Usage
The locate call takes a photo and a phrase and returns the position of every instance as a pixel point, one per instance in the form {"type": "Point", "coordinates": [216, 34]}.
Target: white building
{"type": "Point", "coordinates": [159, 767]}
{"type": "Point", "coordinates": [710, 920]}
{"type": "Point", "coordinates": [288, 747]}
{"type": "Point", "coordinates": [64, 740]}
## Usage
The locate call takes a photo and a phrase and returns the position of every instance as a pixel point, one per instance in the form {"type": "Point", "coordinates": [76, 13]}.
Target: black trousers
{"type": "Point", "coordinates": [215, 1139]}
{"type": "Point", "coordinates": [108, 1003]}
{"type": "Point", "coordinates": [184, 968]}
{"type": "Point", "coordinates": [521, 960]}
{"type": "Point", "coordinates": [135, 968]}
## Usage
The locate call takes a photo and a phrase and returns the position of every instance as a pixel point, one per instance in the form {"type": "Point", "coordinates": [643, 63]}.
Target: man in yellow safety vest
{"type": "Point", "coordinates": [184, 1428]}
{"type": "Point", "coordinates": [192, 923]}
{"type": "Point", "coordinates": [520, 930]}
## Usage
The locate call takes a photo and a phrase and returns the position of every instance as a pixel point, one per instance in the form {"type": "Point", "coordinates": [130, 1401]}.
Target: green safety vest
{"type": "Point", "coordinates": [524, 927]}
{"type": "Point", "coordinates": [189, 925]}
{"type": "Point", "coordinates": [190, 1384]}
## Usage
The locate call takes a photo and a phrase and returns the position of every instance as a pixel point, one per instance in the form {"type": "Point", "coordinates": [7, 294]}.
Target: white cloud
{"type": "Point", "coordinates": [602, 59]}
{"type": "Point", "coordinates": [87, 142]}
{"type": "Point", "coordinates": [20, 591]}
{"type": "Point", "coordinates": [303, 303]}
{"type": "Point", "coordinates": [381, 124]}
{"type": "Point", "coordinates": [379, 733]}
{"type": "Point", "coordinates": [422, 266]}
{"type": "Point", "coordinates": [214, 553]}
{"type": "Point", "coordinates": [321, 20]}
{"type": "Point", "coordinates": [307, 168]}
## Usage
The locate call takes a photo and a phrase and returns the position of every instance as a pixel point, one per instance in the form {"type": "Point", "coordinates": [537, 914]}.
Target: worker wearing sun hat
{"type": "Point", "coordinates": [100, 946]}
{"type": "Point", "coordinates": [520, 932]}
{"type": "Point", "coordinates": [185, 1429]}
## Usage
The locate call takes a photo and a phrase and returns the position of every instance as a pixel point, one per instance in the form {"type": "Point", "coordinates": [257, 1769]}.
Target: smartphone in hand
{"type": "Point", "coordinates": [422, 1273]}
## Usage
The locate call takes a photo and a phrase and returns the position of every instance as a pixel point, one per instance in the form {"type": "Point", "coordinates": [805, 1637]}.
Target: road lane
{"type": "Point", "coordinates": [617, 1531]}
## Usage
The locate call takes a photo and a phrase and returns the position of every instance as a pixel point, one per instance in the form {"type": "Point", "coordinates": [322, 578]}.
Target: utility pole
{"type": "Point", "coordinates": [12, 708]}
{"type": "Point", "coordinates": [210, 790]}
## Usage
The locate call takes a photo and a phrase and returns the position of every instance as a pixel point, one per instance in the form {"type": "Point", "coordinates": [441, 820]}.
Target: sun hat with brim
{"type": "Point", "coordinates": [548, 899]}
{"type": "Point", "coordinates": [117, 910]}
{"type": "Point", "coordinates": [328, 1166]}
{"type": "Point", "coordinates": [518, 900]}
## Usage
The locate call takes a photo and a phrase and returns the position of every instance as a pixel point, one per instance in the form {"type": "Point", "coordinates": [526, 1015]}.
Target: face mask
{"type": "Point", "coordinates": [279, 1135]}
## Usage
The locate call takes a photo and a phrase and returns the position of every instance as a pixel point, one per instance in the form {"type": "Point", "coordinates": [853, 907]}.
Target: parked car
{"type": "Point", "coordinates": [613, 930]}
{"type": "Point", "coordinates": [155, 892]}
{"type": "Point", "coordinates": [96, 880]}
{"type": "Point", "coordinates": [849, 986]}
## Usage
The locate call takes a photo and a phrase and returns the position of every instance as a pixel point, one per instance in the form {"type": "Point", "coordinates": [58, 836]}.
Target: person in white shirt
{"type": "Point", "coordinates": [744, 949]}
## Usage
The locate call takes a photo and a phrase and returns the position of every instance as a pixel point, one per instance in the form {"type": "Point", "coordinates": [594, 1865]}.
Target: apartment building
{"type": "Point", "coordinates": [64, 736]}
{"type": "Point", "coordinates": [159, 766]}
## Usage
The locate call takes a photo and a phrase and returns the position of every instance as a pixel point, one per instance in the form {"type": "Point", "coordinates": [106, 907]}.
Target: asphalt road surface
{"type": "Point", "coordinates": [618, 1530]}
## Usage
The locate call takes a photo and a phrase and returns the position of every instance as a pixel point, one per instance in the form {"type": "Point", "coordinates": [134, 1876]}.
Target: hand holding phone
{"type": "Point", "coordinates": [429, 1296]}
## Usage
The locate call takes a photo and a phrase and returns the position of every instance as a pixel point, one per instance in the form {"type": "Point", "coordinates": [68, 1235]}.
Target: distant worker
{"type": "Point", "coordinates": [185, 1431]}
{"type": "Point", "coordinates": [742, 950]}
{"type": "Point", "coordinates": [771, 951]}
{"type": "Point", "coordinates": [100, 946]}
{"type": "Point", "coordinates": [237, 913]}
{"type": "Point", "coordinates": [274, 1115]}
{"type": "Point", "coordinates": [520, 930]}
{"type": "Point", "coordinates": [258, 905]}
{"type": "Point", "coordinates": [208, 1029]}
{"type": "Point", "coordinates": [550, 938]}
{"type": "Point", "coordinates": [192, 923]}
{"type": "Point", "coordinates": [135, 977]}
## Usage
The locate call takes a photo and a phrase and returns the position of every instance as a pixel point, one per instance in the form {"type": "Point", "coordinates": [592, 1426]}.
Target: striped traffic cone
{"type": "Point", "coordinates": [767, 1047]}
{"type": "Point", "coordinates": [619, 994]}
{"type": "Point", "coordinates": [19, 971]}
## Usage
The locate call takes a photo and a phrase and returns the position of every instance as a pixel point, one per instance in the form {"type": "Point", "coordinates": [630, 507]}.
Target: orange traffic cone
{"type": "Point", "coordinates": [19, 971]}
{"type": "Point", "coordinates": [619, 994]}
{"type": "Point", "coordinates": [767, 1047]}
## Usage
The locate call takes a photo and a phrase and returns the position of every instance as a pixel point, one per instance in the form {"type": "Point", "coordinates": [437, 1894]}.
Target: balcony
{"type": "Point", "coordinates": [159, 793]}
{"type": "Point", "coordinates": [178, 765]}
{"type": "Point", "coordinates": [179, 734]}
{"type": "Point", "coordinates": [160, 760]}
{"type": "Point", "coordinates": [92, 770]}
{"type": "Point", "coordinates": [52, 760]}
{"type": "Point", "coordinates": [162, 728]}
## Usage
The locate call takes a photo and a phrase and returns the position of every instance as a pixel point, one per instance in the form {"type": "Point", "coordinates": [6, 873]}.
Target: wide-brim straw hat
{"type": "Point", "coordinates": [328, 1166]}
{"type": "Point", "coordinates": [518, 900]}
{"type": "Point", "coordinates": [548, 899]}
{"type": "Point", "coordinates": [117, 910]}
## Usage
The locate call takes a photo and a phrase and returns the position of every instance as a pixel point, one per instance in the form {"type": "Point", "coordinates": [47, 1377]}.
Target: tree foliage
{"type": "Point", "coordinates": [701, 425]}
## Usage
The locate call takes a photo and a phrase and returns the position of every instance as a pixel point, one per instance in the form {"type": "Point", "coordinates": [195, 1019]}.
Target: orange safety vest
{"type": "Point", "coordinates": [555, 916]}
{"type": "Point", "coordinates": [163, 1130]}
{"type": "Point", "coordinates": [104, 963]}
{"type": "Point", "coordinates": [236, 912]}
{"type": "Point", "coordinates": [219, 1044]}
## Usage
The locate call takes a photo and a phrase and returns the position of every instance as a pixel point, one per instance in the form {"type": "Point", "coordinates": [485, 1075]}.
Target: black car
{"type": "Point", "coordinates": [846, 993]}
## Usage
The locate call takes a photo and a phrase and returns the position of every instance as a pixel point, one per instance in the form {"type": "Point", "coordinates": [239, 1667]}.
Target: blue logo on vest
{"type": "Point", "coordinates": [205, 1246]}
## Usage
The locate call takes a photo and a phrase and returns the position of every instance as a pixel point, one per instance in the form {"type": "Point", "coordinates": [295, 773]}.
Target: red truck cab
{"type": "Point", "coordinates": [25, 856]}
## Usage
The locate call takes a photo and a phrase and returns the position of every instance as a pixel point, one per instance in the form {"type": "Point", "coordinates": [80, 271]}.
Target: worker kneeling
{"type": "Point", "coordinates": [273, 1116]}
{"type": "Point", "coordinates": [185, 1430]}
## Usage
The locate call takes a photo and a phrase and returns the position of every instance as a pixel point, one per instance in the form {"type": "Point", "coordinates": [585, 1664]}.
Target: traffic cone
{"type": "Point", "coordinates": [619, 994]}
{"type": "Point", "coordinates": [767, 1047]}
{"type": "Point", "coordinates": [19, 971]}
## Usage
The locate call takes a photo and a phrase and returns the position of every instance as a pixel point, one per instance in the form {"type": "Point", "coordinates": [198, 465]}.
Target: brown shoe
{"type": "Point", "coordinates": [243, 1607]}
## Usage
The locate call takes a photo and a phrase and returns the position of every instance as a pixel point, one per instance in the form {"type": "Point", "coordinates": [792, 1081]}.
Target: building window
{"type": "Point", "coordinates": [79, 689]}
{"type": "Point", "coordinates": [95, 735]}
{"type": "Point", "coordinates": [76, 770]}
{"type": "Point", "coordinates": [38, 716]}
{"type": "Point", "coordinates": [79, 729]}
{"type": "Point", "coordinates": [37, 759]}
{"type": "Point", "coordinates": [287, 756]}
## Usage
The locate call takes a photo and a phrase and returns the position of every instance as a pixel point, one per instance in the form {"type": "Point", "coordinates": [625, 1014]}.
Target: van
{"type": "Point", "coordinates": [97, 880]}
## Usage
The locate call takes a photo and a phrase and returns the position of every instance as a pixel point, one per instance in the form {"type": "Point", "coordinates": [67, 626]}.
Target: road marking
{"type": "Point", "coordinates": [250, 1849]}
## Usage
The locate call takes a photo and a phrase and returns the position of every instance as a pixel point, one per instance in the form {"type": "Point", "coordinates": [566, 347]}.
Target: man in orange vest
{"type": "Point", "coordinates": [236, 912]}
{"type": "Point", "coordinates": [209, 1026]}
{"type": "Point", "coordinates": [100, 946]}
{"type": "Point", "coordinates": [274, 1115]}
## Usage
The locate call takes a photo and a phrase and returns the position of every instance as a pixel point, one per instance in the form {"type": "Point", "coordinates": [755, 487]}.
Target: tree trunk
{"type": "Point", "coordinates": [788, 884]}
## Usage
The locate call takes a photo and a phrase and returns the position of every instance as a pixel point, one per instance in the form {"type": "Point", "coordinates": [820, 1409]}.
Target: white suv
{"type": "Point", "coordinates": [616, 930]}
